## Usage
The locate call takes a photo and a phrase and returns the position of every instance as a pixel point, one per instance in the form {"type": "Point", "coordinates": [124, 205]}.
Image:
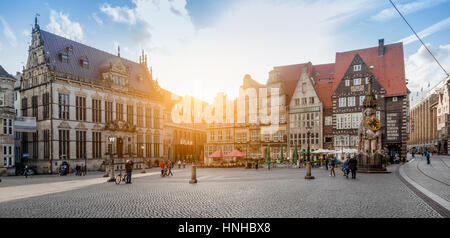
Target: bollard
{"type": "Point", "coordinates": [193, 175]}
{"type": "Point", "coordinates": [308, 171]}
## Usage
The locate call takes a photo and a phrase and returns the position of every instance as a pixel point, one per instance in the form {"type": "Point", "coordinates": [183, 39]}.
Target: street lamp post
{"type": "Point", "coordinates": [142, 154]}
{"type": "Point", "coordinates": [308, 153]}
{"type": "Point", "coordinates": [111, 139]}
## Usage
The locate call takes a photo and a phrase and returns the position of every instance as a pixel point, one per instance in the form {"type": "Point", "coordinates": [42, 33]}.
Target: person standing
{"type": "Point", "coordinates": [346, 167]}
{"type": "Point", "coordinates": [353, 166]}
{"type": "Point", "coordinates": [129, 170]}
{"type": "Point", "coordinates": [427, 154]}
{"type": "Point", "coordinates": [333, 165]}
{"type": "Point", "coordinates": [162, 167]}
{"type": "Point", "coordinates": [179, 164]}
{"type": "Point", "coordinates": [169, 167]}
{"type": "Point", "coordinates": [327, 160]}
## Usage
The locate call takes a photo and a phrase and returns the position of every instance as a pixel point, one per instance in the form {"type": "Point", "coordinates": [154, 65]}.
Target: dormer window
{"type": "Point", "coordinates": [357, 67]}
{"type": "Point", "coordinates": [84, 62]}
{"type": "Point", "coordinates": [64, 58]}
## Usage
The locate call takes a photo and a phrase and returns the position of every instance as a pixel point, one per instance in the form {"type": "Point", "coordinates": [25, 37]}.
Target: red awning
{"type": "Point", "coordinates": [235, 153]}
{"type": "Point", "coordinates": [217, 154]}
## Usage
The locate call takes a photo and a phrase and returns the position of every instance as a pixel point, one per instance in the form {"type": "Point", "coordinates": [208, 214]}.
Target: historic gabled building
{"type": "Point", "coordinates": [7, 161]}
{"type": "Point", "coordinates": [182, 141]}
{"type": "Point", "coordinates": [443, 117]}
{"type": "Point", "coordinates": [353, 69]}
{"type": "Point", "coordinates": [305, 113]}
{"type": "Point", "coordinates": [324, 81]}
{"type": "Point", "coordinates": [81, 97]}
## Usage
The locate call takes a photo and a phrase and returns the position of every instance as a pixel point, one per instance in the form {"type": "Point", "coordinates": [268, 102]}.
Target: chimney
{"type": "Point", "coordinates": [380, 47]}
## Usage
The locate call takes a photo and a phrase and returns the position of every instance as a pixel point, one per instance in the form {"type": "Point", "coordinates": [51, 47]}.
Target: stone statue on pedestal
{"type": "Point", "coordinates": [370, 147]}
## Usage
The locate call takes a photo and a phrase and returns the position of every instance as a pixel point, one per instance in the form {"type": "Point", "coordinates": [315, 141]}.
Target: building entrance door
{"type": "Point", "coordinates": [119, 147]}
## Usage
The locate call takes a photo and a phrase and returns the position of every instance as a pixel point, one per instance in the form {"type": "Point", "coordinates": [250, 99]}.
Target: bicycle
{"type": "Point", "coordinates": [121, 178]}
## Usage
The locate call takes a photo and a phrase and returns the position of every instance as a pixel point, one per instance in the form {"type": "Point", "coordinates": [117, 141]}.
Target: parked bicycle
{"type": "Point", "coordinates": [121, 178]}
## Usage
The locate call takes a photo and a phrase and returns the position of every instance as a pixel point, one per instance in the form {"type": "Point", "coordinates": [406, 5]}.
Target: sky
{"type": "Point", "coordinates": [202, 47]}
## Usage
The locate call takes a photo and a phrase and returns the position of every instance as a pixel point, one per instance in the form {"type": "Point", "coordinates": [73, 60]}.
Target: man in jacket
{"type": "Point", "coordinates": [129, 170]}
{"type": "Point", "coordinates": [353, 165]}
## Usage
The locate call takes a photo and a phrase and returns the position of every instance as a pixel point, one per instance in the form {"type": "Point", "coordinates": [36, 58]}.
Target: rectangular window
{"type": "Point", "coordinates": [351, 102]}
{"type": "Point", "coordinates": [96, 110]}
{"type": "Point", "coordinates": [297, 102]}
{"type": "Point", "coordinates": [64, 144]}
{"type": "Point", "coordinates": [46, 104]}
{"type": "Point", "coordinates": [357, 81]}
{"type": "Point", "coordinates": [148, 117]}
{"type": "Point", "coordinates": [96, 145]}
{"type": "Point", "coordinates": [140, 116]}
{"type": "Point", "coordinates": [394, 99]}
{"type": "Point", "coordinates": [81, 144]}
{"type": "Point", "coordinates": [347, 83]}
{"type": "Point", "coordinates": [342, 102]}
{"type": "Point", "coordinates": [8, 155]}
{"type": "Point", "coordinates": [328, 121]}
{"type": "Point", "coordinates": [148, 147]}
{"type": "Point", "coordinates": [379, 115]}
{"type": "Point", "coordinates": [119, 111]}
{"type": "Point", "coordinates": [47, 144]}
{"type": "Point", "coordinates": [311, 100]}
{"type": "Point", "coordinates": [367, 80]}
{"type": "Point", "coordinates": [35, 145]}
{"type": "Point", "coordinates": [108, 111]}
{"type": "Point", "coordinates": [34, 106]}
{"type": "Point", "coordinates": [130, 118]}
{"type": "Point", "coordinates": [361, 100]}
{"type": "Point", "coordinates": [7, 126]}
{"type": "Point", "coordinates": [64, 106]}
{"type": "Point", "coordinates": [24, 107]}
{"type": "Point", "coordinates": [80, 104]}
{"type": "Point", "coordinates": [140, 145]}
{"type": "Point", "coordinates": [357, 67]}
{"type": "Point", "coordinates": [156, 119]}
{"type": "Point", "coordinates": [156, 145]}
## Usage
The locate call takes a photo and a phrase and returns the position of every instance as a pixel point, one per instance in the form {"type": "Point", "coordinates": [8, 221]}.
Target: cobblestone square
{"type": "Point", "coordinates": [227, 193]}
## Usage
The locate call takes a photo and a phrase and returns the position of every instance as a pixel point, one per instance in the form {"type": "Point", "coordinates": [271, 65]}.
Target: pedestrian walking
{"type": "Point", "coordinates": [162, 167]}
{"type": "Point", "coordinates": [179, 164]}
{"type": "Point", "coordinates": [83, 170]}
{"type": "Point", "coordinates": [129, 170]}
{"type": "Point", "coordinates": [333, 165]}
{"type": "Point", "coordinates": [327, 160]}
{"type": "Point", "coordinates": [78, 170]}
{"type": "Point", "coordinates": [169, 167]}
{"type": "Point", "coordinates": [184, 164]}
{"type": "Point", "coordinates": [427, 154]}
{"type": "Point", "coordinates": [346, 167]}
{"type": "Point", "coordinates": [353, 166]}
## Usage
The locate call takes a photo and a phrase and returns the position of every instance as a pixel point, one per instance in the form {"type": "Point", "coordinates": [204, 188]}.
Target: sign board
{"type": "Point", "coordinates": [25, 124]}
{"type": "Point", "coordinates": [392, 127]}
{"type": "Point", "coordinates": [357, 88]}
{"type": "Point", "coordinates": [308, 109]}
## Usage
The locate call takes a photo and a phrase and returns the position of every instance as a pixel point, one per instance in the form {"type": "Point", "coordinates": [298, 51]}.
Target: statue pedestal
{"type": "Point", "coordinates": [371, 164]}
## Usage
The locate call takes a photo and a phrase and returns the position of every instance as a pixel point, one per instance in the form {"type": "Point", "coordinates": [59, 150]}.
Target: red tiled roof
{"type": "Point", "coordinates": [389, 69]}
{"type": "Point", "coordinates": [289, 76]}
{"type": "Point", "coordinates": [324, 82]}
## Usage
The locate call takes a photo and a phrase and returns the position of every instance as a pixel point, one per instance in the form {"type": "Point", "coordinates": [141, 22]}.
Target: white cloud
{"type": "Point", "coordinates": [252, 37]}
{"type": "Point", "coordinates": [61, 24]}
{"type": "Point", "coordinates": [422, 71]}
{"type": "Point", "coordinates": [442, 25]}
{"type": "Point", "coordinates": [8, 33]}
{"type": "Point", "coordinates": [405, 9]}
{"type": "Point", "coordinates": [119, 14]}
{"type": "Point", "coordinates": [97, 19]}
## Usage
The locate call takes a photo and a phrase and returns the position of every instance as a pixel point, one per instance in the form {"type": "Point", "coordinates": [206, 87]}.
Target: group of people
{"type": "Point", "coordinates": [350, 166]}
{"type": "Point", "coordinates": [80, 170]}
{"type": "Point", "coordinates": [166, 168]}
